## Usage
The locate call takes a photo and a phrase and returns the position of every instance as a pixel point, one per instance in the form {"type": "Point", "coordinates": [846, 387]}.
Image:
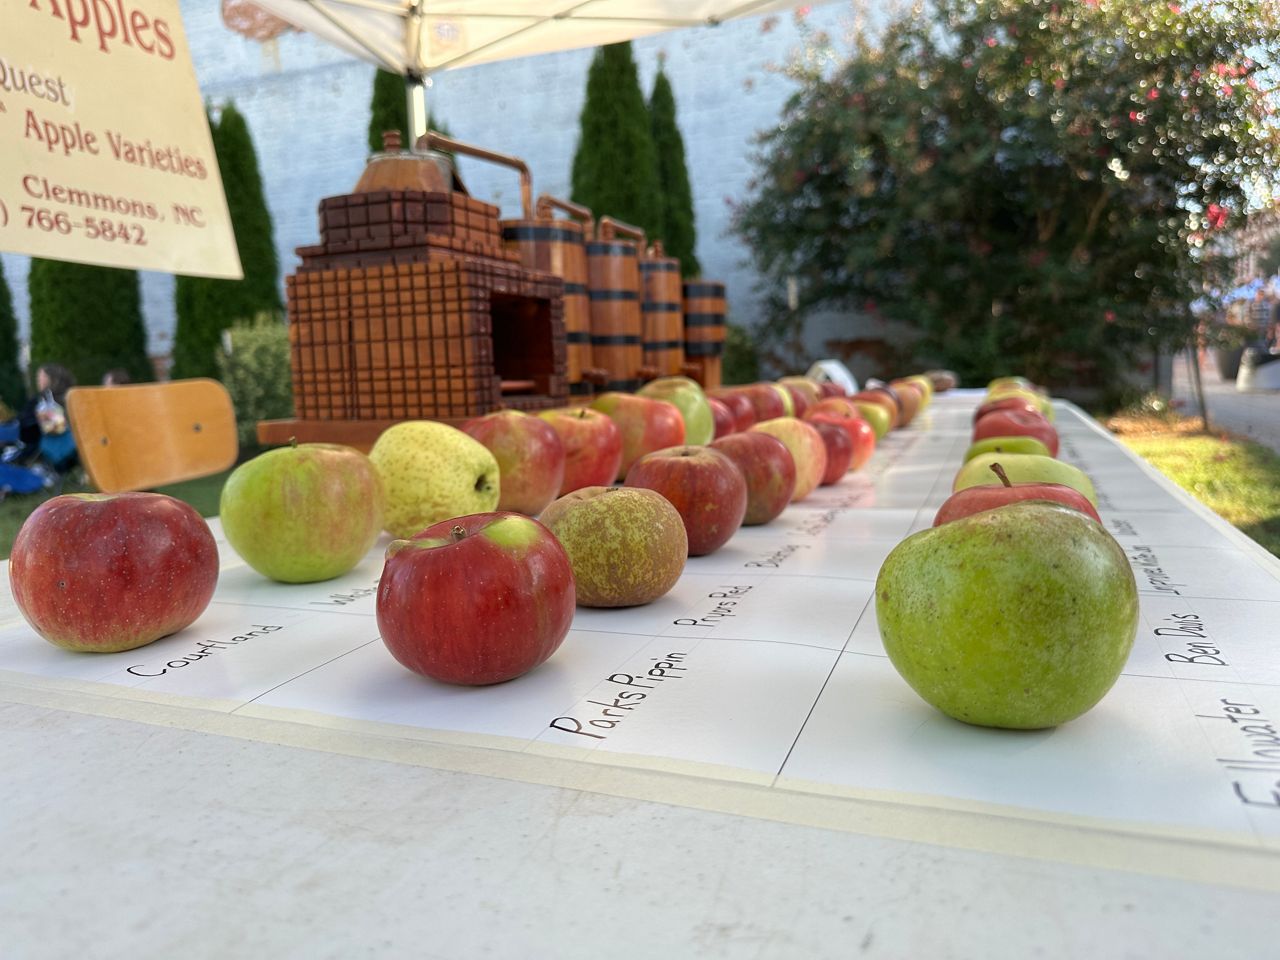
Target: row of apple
{"type": "Point", "coordinates": [145, 566]}
{"type": "Point", "coordinates": [1017, 608]}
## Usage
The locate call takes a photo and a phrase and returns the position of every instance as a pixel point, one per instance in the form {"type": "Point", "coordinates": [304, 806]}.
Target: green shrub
{"type": "Point", "coordinates": [12, 389]}
{"type": "Point", "coordinates": [205, 306]}
{"type": "Point", "coordinates": [679, 234]}
{"type": "Point", "coordinates": [87, 318]}
{"type": "Point", "coordinates": [741, 356]}
{"type": "Point", "coordinates": [615, 168]}
{"type": "Point", "coordinates": [256, 373]}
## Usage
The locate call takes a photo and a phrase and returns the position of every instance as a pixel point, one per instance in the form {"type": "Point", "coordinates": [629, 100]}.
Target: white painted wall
{"type": "Point", "coordinates": [307, 106]}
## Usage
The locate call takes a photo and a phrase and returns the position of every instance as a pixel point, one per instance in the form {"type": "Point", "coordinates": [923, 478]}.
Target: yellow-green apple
{"type": "Point", "coordinates": [862, 436]}
{"type": "Point", "coordinates": [841, 405]}
{"type": "Point", "coordinates": [768, 468]}
{"type": "Point", "coordinates": [1017, 423]}
{"type": "Point", "coordinates": [109, 572]}
{"type": "Point", "coordinates": [885, 399]}
{"type": "Point", "coordinates": [304, 512]}
{"type": "Point", "coordinates": [627, 545]}
{"type": "Point", "coordinates": [476, 600]}
{"type": "Point", "coordinates": [1021, 617]}
{"type": "Point", "coordinates": [1024, 468]}
{"type": "Point", "coordinates": [1042, 401]}
{"type": "Point", "coordinates": [530, 457]}
{"type": "Point", "coordinates": [808, 388]}
{"type": "Point", "coordinates": [839, 449]}
{"type": "Point", "coordinates": [799, 399]}
{"type": "Point", "coordinates": [1004, 383]}
{"type": "Point", "coordinates": [877, 415]}
{"type": "Point", "coordinates": [1006, 445]}
{"type": "Point", "coordinates": [431, 471]}
{"type": "Point", "coordinates": [645, 424]}
{"type": "Point", "coordinates": [722, 416]}
{"type": "Point", "coordinates": [786, 396]}
{"type": "Point", "coordinates": [687, 395]}
{"type": "Point", "coordinates": [744, 411]}
{"type": "Point", "coordinates": [989, 497]}
{"type": "Point", "coordinates": [592, 446]}
{"type": "Point", "coordinates": [706, 488]}
{"type": "Point", "coordinates": [805, 445]}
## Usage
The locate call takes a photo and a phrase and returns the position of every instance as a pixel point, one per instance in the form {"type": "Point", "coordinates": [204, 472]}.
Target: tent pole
{"type": "Point", "coordinates": [416, 91]}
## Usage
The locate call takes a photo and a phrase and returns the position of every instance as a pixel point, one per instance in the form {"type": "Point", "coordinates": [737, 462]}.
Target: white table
{"type": "Point", "coordinates": [300, 795]}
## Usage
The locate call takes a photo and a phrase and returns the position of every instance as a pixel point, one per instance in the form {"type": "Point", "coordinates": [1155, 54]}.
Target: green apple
{"type": "Point", "coordinates": [1044, 403]}
{"type": "Point", "coordinates": [1024, 468]}
{"type": "Point", "coordinates": [1018, 617]}
{"type": "Point", "coordinates": [877, 415]}
{"type": "Point", "coordinates": [687, 395]}
{"type": "Point", "coordinates": [788, 404]}
{"type": "Point", "coordinates": [303, 513]}
{"type": "Point", "coordinates": [432, 472]}
{"type": "Point", "coordinates": [1006, 445]}
{"type": "Point", "coordinates": [626, 545]}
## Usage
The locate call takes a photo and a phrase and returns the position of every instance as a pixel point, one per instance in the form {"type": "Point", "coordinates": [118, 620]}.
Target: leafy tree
{"type": "Point", "coordinates": [1028, 185]}
{"type": "Point", "coordinates": [12, 390]}
{"type": "Point", "coordinates": [389, 110]}
{"type": "Point", "coordinates": [205, 306]}
{"type": "Point", "coordinates": [89, 319]}
{"type": "Point", "coordinates": [679, 234]}
{"type": "Point", "coordinates": [615, 168]}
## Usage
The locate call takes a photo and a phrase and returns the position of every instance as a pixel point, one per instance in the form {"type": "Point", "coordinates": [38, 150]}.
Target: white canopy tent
{"type": "Point", "coordinates": [417, 38]}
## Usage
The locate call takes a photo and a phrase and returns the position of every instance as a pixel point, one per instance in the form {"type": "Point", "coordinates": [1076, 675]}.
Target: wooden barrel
{"type": "Point", "coordinates": [613, 271]}
{"type": "Point", "coordinates": [704, 319]}
{"type": "Point", "coordinates": [662, 315]}
{"type": "Point", "coordinates": [556, 247]}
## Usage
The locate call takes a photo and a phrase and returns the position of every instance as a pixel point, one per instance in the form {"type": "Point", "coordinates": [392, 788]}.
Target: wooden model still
{"type": "Point", "coordinates": [418, 303]}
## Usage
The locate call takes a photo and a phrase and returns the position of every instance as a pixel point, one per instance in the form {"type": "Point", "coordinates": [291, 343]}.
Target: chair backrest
{"type": "Point", "coordinates": [139, 436]}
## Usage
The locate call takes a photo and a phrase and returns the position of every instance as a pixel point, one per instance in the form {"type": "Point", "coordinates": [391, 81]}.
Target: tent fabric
{"type": "Point", "coordinates": [420, 37]}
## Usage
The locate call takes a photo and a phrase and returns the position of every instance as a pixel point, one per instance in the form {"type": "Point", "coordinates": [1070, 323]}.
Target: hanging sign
{"type": "Point", "coordinates": [105, 153]}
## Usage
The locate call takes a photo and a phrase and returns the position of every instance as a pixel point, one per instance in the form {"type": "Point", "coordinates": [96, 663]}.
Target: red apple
{"type": "Point", "coordinates": [592, 447]}
{"type": "Point", "coordinates": [1005, 403]}
{"type": "Point", "coordinates": [769, 469]}
{"type": "Point", "coordinates": [1017, 423]}
{"type": "Point", "coordinates": [111, 572]}
{"type": "Point", "coordinates": [910, 398]}
{"type": "Point", "coordinates": [841, 405]}
{"type": "Point", "coordinates": [476, 600]}
{"type": "Point", "coordinates": [799, 399]}
{"type": "Point", "coordinates": [646, 425]}
{"type": "Point", "coordinates": [806, 448]}
{"type": "Point", "coordinates": [765, 399]}
{"type": "Point", "coordinates": [861, 434]}
{"type": "Point", "coordinates": [990, 496]}
{"type": "Point", "coordinates": [839, 450]}
{"type": "Point", "coordinates": [830, 388]}
{"type": "Point", "coordinates": [723, 416]}
{"type": "Point", "coordinates": [744, 412]}
{"type": "Point", "coordinates": [530, 457]}
{"type": "Point", "coordinates": [704, 485]}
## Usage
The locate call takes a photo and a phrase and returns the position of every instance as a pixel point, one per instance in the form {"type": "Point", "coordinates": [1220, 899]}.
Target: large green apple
{"type": "Point", "coordinates": [699, 422]}
{"type": "Point", "coordinates": [303, 513]}
{"type": "Point", "coordinates": [1009, 444]}
{"type": "Point", "coordinates": [1024, 468]}
{"type": "Point", "coordinates": [431, 472]}
{"type": "Point", "coordinates": [1019, 617]}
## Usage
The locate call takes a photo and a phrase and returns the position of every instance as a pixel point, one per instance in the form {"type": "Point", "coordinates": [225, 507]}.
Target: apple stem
{"type": "Point", "coordinates": [458, 533]}
{"type": "Point", "coordinates": [999, 472]}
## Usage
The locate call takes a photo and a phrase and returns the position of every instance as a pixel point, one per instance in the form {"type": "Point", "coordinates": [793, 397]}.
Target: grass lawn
{"type": "Point", "coordinates": [202, 494]}
{"type": "Point", "coordinates": [1235, 478]}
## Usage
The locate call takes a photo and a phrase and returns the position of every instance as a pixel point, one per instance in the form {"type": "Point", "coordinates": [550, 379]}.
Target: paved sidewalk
{"type": "Point", "coordinates": [1256, 414]}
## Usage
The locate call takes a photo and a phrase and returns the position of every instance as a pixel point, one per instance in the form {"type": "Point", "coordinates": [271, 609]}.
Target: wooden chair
{"type": "Point", "coordinates": [140, 436]}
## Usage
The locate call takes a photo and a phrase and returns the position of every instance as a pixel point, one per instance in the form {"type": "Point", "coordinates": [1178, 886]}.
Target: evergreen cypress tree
{"type": "Point", "coordinates": [12, 389]}
{"type": "Point", "coordinates": [89, 319]}
{"type": "Point", "coordinates": [615, 169]}
{"type": "Point", "coordinates": [205, 307]}
{"type": "Point", "coordinates": [680, 236]}
{"type": "Point", "coordinates": [389, 110]}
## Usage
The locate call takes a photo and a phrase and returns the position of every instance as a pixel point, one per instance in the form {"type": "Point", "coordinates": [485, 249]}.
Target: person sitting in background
{"type": "Point", "coordinates": [40, 439]}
